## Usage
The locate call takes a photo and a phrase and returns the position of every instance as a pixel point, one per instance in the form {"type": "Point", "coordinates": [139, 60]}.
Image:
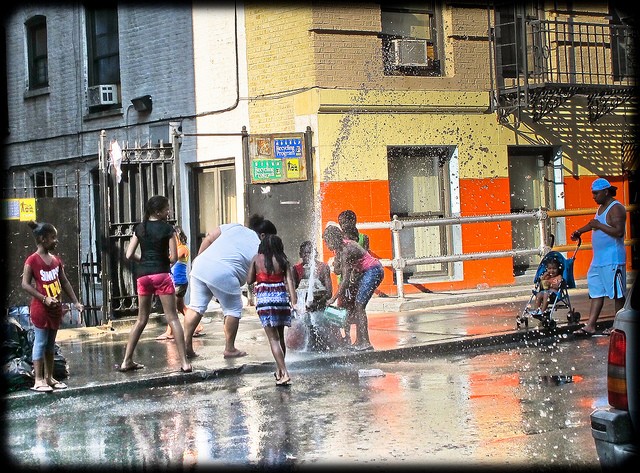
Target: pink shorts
{"type": "Point", "coordinates": [160, 284]}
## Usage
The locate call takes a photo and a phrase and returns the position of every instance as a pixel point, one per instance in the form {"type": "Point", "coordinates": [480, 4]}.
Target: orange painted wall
{"type": "Point", "coordinates": [486, 197]}
{"type": "Point", "coordinates": [370, 201]}
{"type": "Point", "coordinates": [578, 196]}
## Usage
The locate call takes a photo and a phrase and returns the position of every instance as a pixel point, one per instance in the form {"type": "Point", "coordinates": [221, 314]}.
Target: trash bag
{"type": "Point", "coordinates": [18, 375]}
{"type": "Point", "coordinates": [60, 365]}
{"type": "Point", "coordinates": [14, 343]}
{"type": "Point", "coordinates": [17, 348]}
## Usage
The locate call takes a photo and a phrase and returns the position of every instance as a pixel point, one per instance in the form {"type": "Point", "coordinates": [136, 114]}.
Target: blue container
{"type": "Point", "coordinates": [335, 315]}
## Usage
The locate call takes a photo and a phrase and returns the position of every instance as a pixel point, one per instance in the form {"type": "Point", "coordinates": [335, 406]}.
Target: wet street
{"type": "Point", "coordinates": [515, 406]}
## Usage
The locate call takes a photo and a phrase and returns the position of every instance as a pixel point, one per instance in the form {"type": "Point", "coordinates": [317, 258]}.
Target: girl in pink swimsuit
{"type": "Point", "coordinates": [355, 260]}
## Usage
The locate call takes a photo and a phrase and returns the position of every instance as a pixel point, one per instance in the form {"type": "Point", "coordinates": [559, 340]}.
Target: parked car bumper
{"type": "Point", "coordinates": [613, 434]}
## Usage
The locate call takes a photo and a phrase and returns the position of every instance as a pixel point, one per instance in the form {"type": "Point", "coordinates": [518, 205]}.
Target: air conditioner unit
{"type": "Point", "coordinates": [105, 94]}
{"type": "Point", "coordinates": [410, 52]}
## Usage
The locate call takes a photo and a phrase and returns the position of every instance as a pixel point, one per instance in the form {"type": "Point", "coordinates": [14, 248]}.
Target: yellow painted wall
{"type": "Point", "coordinates": [336, 86]}
{"type": "Point", "coordinates": [280, 61]}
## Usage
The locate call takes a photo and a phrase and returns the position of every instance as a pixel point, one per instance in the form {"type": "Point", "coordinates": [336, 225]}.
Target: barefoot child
{"type": "Point", "coordinates": [275, 296]}
{"type": "Point", "coordinates": [44, 279]}
{"type": "Point", "coordinates": [181, 281]}
{"type": "Point", "coordinates": [322, 336]}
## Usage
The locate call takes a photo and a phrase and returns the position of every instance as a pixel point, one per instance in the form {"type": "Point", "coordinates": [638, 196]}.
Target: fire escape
{"type": "Point", "coordinates": [539, 64]}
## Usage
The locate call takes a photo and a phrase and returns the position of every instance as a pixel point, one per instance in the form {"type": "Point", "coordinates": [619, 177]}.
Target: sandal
{"type": "Point", "coordinates": [581, 332]}
{"type": "Point", "coordinates": [607, 331]}
{"type": "Point", "coordinates": [368, 347]}
{"type": "Point", "coordinates": [134, 366]}
{"type": "Point", "coordinates": [284, 381]}
{"type": "Point", "coordinates": [58, 385]}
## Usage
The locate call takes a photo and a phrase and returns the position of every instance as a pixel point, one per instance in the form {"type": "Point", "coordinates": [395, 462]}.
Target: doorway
{"type": "Point", "coordinates": [215, 188]}
{"type": "Point", "coordinates": [532, 186]}
{"type": "Point", "coordinates": [419, 189]}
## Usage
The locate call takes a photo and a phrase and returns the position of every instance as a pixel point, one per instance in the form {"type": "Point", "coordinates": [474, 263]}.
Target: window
{"type": "Point", "coordinates": [514, 28]}
{"type": "Point", "coordinates": [419, 188]}
{"type": "Point", "coordinates": [409, 39]}
{"type": "Point", "coordinates": [216, 198]}
{"type": "Point", "coordinates": [622, 42]}
{"type": "Point", "coordinates": [103, 49]}
{"type": "Point", "coordinates": [36, 28]}
{"type": "Point", "coordinates": [43, 185]}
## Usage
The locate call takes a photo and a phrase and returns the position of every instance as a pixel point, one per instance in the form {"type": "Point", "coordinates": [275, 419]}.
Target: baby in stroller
{"type": "Point", "coordinates": [553, 279]}
{"type": "Point", "coordinates": [550, 282]}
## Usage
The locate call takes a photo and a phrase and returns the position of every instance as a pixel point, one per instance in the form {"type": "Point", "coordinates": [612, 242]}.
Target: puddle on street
{"type": "Point", "coordinates": [450, 410]}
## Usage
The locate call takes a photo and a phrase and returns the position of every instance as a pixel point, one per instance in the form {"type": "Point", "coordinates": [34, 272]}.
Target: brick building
{"type": "Point", "coordinates": [430, 109]}
{"type": "Point", "coordinates": [424, 110]}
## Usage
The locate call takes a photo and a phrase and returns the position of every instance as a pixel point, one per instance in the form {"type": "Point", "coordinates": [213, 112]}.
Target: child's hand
{"type": "Point", "coordinates": [51, 302]}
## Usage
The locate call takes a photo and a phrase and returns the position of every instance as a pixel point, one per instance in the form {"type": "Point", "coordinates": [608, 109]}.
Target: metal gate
{"type": "Point", "coordinates": [57, 189]}
{"type": "Point", "coordinates": [128, 178]}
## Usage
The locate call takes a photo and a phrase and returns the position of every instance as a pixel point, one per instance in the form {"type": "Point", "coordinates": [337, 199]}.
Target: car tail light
{"type": "Point", "coordinates": [616, 371]}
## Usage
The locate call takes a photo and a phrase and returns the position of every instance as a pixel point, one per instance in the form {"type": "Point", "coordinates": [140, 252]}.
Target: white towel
{"type": "Point", "coordinates": [116, 159]}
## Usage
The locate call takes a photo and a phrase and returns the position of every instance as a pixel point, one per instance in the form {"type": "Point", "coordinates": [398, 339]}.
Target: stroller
{"type": "Point", "coordinates": [556, 301]}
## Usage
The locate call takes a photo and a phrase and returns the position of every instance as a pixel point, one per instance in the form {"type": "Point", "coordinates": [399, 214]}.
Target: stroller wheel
{"type": "Point", "coordinates": [573, 316]}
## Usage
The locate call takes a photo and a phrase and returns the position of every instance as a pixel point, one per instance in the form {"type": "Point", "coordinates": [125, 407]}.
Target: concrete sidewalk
{"type": "Point", "coordinates": [419, 325]}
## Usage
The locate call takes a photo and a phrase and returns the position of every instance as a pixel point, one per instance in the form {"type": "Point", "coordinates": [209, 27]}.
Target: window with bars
{"type": "Point", "coordinates": [43, 185]}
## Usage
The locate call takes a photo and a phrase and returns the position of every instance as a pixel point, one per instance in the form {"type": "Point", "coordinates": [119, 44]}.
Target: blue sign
{"type": "Point", "coordinates": [287, 148]}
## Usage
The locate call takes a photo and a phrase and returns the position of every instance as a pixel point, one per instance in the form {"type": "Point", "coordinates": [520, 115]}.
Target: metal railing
{"type": "Point", "coordinates": [398, 263]}
{"type": "Point", "coordinates": [540, 64]}
{"type": "Point", "coordinates": [581, 53]}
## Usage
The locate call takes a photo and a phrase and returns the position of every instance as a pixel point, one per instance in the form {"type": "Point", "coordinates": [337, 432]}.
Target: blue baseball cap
{"type": "Point", "coordinates": [601, 184]}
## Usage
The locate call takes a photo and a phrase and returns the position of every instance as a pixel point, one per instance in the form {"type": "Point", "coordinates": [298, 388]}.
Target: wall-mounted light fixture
{"type": "Point", "coordinates": [143, 103]}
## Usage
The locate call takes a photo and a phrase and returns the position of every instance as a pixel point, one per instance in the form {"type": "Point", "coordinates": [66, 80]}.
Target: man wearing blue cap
{"type": "Point", "coordinates": [607, 276]}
